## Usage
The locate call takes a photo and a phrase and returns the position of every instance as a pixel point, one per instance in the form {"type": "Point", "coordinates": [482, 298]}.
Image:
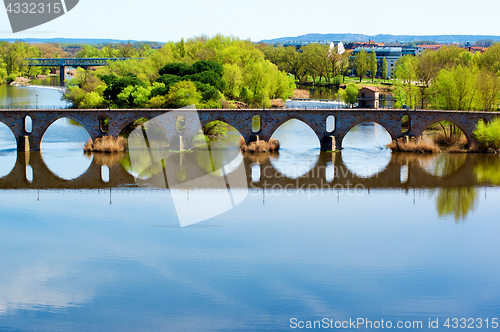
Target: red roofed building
{"type": "Point", "coordinates": [474, 49]}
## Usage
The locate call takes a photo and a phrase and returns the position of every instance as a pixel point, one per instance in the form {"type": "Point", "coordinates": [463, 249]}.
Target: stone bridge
{"type": "Point", "coordinates": [342, 120]}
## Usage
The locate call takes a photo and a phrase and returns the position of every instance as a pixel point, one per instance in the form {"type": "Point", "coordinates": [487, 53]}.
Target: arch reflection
{"type": "Point", "coordinates": [62, 151]}
{"type": "Point", "coordinates": [299, 149]}
{"type": "Point", "coordinates": [8, 147]}
{"type": "Point", "coordinates": [364, 152]}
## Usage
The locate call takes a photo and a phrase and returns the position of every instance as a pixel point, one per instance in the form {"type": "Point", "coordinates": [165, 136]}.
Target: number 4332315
{"type": "Point", "coordinates": [34, 8]}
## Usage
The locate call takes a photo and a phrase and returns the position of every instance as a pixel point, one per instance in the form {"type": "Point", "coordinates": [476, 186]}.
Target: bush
{"type": "Point", "coordinates": [11, 78]}
{"type": "Point", "coordinates": [419, 145]}
{"type": "Point", "coordinates": [488, 135]}
{"type": "Point", "coordinates": [259, 146]}
{"type": "Point", "coordinates": [350, 94]}
{"type": "Point", "coordinates": [107, 144]}
{"type": "Point", "coordinates": [337, 80]}
{"type": "Point", "coordinates": [92, 100]}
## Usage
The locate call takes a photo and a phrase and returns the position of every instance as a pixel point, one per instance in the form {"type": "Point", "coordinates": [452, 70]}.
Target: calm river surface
{"type": "Point", "coordinates": [392, 237]}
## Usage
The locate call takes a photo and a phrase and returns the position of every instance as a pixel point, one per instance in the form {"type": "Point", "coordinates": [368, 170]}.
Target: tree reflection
{"type": "Point", "coordinates": [443, 164]}
{"type": "Point", "coordinates": [488, 171]}
{"type": "Point", "coordinates": [456, 201]}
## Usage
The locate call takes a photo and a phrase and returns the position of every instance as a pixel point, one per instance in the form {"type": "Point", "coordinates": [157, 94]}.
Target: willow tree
{"type": "Point", "coordinates": [406, 75]}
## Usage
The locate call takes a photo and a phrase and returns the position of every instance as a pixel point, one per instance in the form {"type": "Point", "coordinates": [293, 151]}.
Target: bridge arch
{"type": "Point", "coordinates": [8, 125]}
{"type": "Point", "coordinates": [128, 122]}
{"type": "Point", "coordinates": [8, 158]}
{"type": "Point", "coordinates": [48, 124]}
{"type": "Point", "coordinates": [66, 162]}
{"type": "Point", "coordinates": [425, 125]}
{"type": "Point", "coordinates": [233, 124]}
{"type": "Point", "coordinates": [302, 122]}
{"type": "Point", "coordinates": [393, 133]}
{"type": "Point", "coordinates": [303, 119]}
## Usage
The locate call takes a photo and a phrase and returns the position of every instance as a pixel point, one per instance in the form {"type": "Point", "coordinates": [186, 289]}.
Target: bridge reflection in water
{"type": "Point", "coordinates": [403, 171]}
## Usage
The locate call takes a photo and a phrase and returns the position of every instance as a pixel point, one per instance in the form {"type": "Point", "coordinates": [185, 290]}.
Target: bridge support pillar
{"type": "Point", "coordinates": [24, 143]}
{"type": "Point", "coordinates": [27, 143]}
{"type": "Point", "coordinates": [62, 75]}
{"type": "Point", "coordinates": [177, 143]}
{"type": "Point", "coordinates": [330, 143]}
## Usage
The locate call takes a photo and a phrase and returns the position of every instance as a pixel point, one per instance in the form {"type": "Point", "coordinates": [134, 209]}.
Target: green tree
{"type": "Point", "coordinates": [361, 64]}
{"type": "Point", "coordinates": [13, 54]}
{"type": "Point", "coordinates": [490, 59]}
{"type": "Point", "coordinates": [180, 92]}
{"type": "Point", "coordinates": [455, 89]}
{"type": "Point", "coordinates": [350, 94]}
{"type": "Point", "coordinates": [373, 64]}
{"type": "Point", "coordinates": [488, 90]}
{"type": "Point", "coordinates": [384, 69]}
{"type": "Point", "coordinates": [344, 65]}
{"type": "Point", "coordinates": [234, 80]}
{"type": "Point", "coordinates": [88, 51]}
{"type": "Point", "coordinates": [92, 100]}
{"type": "Point", "coordinates": [294, 63]}
{"type": "Point", "coordinates": [405, 74]}
{"type": "Point", "coordinates": [318, 65]}
{"type": "Point", "coordinates": [427, 70]}
{"type": "Point", "coordinates": [181, 48]}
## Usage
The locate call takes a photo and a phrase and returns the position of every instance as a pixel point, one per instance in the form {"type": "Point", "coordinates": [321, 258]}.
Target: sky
{"type": "Point", "coordinates": [165, 20]}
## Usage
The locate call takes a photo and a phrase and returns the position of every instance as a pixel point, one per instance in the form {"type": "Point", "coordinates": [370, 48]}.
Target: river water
{"type": "Point", "coordinates": [360, 235]}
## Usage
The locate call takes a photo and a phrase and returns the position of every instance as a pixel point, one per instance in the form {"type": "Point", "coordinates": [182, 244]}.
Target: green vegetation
{"type": "Point", "coordinates": [314, 61]}
{"type": "Point", "coordinates": [488, 134]}
{"type": "Point", "coordinates": [361, 64]}
{"type": "Point", "coordinates": [384, 69]}
{"type": "Point", "coordinates": [450, 78]}
{"type": "Point", "coordinates": [12, 57]}
{"type": "Point", "coordinates": [373, 64]}
{"type": "Point", "coordinates": [350, 94]}
{"type": "Point", "coordinates": [208, 73]}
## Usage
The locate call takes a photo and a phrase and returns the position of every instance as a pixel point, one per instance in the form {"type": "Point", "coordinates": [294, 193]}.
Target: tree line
{"type": "Point", "coordinates": [12, 57]}
{"type": "Point", "coordinates": [450, 78]}
{"type": "Point", "coordinates": [313, 61]}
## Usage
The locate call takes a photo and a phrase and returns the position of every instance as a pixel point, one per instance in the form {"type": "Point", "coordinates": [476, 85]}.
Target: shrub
{"type": "Point", "coordinates": [420, 145]}
{"type": "Point", "coordinates": [259, 146]}
{"type": "Point", "coordinates": [488, 135]}
{"type": "Point", "coordinates": [337, 81]}
{"type": "Point", "coordinates": [107, 144]}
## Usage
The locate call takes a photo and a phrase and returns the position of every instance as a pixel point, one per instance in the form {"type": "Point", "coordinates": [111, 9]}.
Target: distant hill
{"type": "Point", "coordinates": [74, 40]}
{"type": "Point", "coordinates": [350, 37]}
